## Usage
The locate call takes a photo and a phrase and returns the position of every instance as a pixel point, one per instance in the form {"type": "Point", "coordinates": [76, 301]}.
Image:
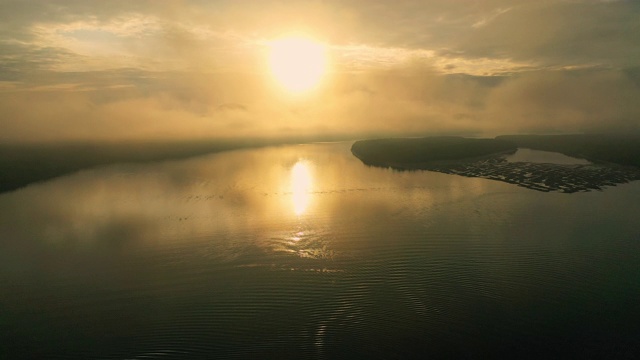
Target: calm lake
{"type": "Point", "coordinates": [302, 251]}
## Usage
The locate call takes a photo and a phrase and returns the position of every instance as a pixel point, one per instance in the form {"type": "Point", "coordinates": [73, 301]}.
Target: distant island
{"type": "Point", "coordinates": [615, 159]}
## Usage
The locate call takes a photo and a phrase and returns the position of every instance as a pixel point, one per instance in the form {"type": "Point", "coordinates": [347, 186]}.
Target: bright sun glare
{"type": "Point", "coordinates": [300, 186]}
{"type": "Point", "coordinates": [297, 63]}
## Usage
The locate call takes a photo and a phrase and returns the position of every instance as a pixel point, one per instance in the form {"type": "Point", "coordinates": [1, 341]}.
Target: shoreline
{"type": "Point", "coordinates": [544, 177]}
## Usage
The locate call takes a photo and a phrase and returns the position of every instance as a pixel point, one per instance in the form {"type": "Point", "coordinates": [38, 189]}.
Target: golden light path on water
{"type": "Point", "coordinates": [301, 183]}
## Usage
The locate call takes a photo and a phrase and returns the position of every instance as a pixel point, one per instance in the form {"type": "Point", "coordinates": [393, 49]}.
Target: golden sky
{"type": "Point", "coordinates": [87, 70]}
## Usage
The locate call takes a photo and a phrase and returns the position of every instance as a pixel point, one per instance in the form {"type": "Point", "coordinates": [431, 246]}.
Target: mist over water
{"type": "Point", "coordinates": [304, 252]}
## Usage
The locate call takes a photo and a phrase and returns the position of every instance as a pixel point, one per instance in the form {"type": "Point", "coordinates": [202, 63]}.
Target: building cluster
{"type": "Point", "coordinates": [542, 176]}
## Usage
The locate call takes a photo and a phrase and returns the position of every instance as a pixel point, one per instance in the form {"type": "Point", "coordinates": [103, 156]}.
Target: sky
{"type": "Point", "coordinates": [127, 70]}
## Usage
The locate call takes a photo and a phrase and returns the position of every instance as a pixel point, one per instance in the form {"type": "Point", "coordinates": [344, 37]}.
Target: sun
{"type": "Point", "coordinates": [298, 64]}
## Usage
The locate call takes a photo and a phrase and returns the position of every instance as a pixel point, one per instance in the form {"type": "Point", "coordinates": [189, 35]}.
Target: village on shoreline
{"type": "Point", "coordinates": [435, 154]}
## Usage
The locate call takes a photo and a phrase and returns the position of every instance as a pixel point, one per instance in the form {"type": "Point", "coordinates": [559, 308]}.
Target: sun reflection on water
{"type": "Point", "coordinates": [301, 186]}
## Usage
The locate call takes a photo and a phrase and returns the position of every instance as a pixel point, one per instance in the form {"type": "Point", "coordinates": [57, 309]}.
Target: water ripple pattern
{"type": "Point", "coordinates": [249, 254]}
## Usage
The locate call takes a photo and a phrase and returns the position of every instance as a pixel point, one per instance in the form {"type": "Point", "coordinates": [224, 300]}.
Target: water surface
{"type": "Point", "coordinates": [545, 157]}
{"type": "Point", "coordinates": [304, 252]}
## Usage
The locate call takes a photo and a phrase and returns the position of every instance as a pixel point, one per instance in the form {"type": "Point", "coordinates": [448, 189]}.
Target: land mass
{"type": "Point", "coordinates": [411, 152]}
{"type": "Point", "coordinates": [615, 159]}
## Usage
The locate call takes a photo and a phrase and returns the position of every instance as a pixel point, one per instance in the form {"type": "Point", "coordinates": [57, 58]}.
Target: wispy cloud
{"type": "Point", "coordinates": [96, 69]}
{"type": "Point", "coordinates": [490, 17]}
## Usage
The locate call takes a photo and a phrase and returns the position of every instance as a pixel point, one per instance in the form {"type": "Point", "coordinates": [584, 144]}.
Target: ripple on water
{"type": "Point", "coordinates": [389, 265]}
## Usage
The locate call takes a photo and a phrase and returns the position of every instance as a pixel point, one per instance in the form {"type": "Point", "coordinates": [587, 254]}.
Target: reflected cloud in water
{"type": "Point", "coordinates": [302, 202]}
{"type": "Point", "coordinates": [210, 244]}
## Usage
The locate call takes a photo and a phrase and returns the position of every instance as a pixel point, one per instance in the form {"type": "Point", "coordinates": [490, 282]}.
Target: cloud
{"type": "Point", "coordinates": [568, 101]}
{"type": "Point", "coordinates": [560, 33]}
{"type": "Point", "coordinates": [203, 35]}
{"type": "Point", "coordinates": [125, 69]}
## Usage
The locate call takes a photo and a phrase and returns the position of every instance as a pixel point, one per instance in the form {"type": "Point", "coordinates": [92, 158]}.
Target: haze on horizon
{"type": "Point", "coordinates": [97, 70]}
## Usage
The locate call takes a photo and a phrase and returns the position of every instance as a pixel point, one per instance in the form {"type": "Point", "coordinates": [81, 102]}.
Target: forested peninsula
{"type": "Point", "coordinates": [614, 159]}
{"type": "Point", "coordinates": [622, 149]}
{"type": "Point", "coordinates": [412, 152]}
